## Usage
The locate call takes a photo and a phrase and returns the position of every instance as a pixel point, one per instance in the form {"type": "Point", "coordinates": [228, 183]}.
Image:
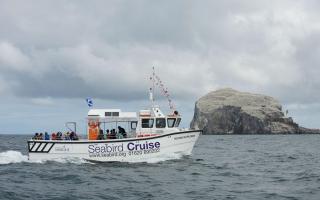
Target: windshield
{"type": "Point", "coordinates": [147, 123]}
{"type": "Point", "coordinates": [171, 122]}
{"type": "Point", "coordinates": [178, 122]}
{"type": "Point", "coordinates": [161, 123]}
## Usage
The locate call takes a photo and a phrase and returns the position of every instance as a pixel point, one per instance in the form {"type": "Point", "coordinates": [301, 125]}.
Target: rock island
{"type": "Point", "coordinates": [228, 111]}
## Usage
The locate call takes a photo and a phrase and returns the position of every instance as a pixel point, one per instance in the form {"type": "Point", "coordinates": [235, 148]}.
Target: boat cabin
{"type": "Point", "coordinates": [114, 123]}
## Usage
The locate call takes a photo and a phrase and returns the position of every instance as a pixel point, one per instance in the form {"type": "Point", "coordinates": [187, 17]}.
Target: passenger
{"type": "Point", "coordinates": [40, 136]}
{"type": "Point", "coordinates": [67, 136]}
{"type": "Point", "coordinates": [122, 132]}
{"type": "Point", "coordinates": [46, 136]}
{"type": "Point", "coordinates": [73, 136]}
{"type": "Point", "coordinates": [100, 136]}
{"type": "Point", "coordinates": [53, 136]}
{"type": "Point", "coordinates": [59, 136]}
{"type": "Point", "coordinates": [113, 134]}
{"type": "Point", "coordinates": [36, 136]}
{"type": "Point", "coordinates": [107, 134]}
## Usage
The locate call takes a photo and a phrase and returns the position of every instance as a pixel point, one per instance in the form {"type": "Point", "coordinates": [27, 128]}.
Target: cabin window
{"type": "Point", "coordinates": [111, 114]}
{"type": "Point", "coordinates": [160, 123]}
{"type": "Point", "coordinates": [171, 122]}
{"type": "Point", "coordinates": [134, 125]}
{"type": "Point", "coordinates": [107, 114]}
{"type": "Point", "coordinates": [178, 122]}
{"type": "Point", "coordinates": [147, 123]}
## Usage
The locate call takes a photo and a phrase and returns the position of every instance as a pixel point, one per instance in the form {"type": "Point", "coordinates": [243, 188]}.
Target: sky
{"type": "Point", "coordinates": [54, 54]}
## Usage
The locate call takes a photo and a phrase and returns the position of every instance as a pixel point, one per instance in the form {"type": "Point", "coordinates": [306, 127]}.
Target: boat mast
{"type": "Point", "coordinates": [152, 89]}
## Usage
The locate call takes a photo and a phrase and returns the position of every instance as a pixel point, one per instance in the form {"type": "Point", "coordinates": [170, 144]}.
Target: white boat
{"type": "Point", "coordinates": [151, 136]}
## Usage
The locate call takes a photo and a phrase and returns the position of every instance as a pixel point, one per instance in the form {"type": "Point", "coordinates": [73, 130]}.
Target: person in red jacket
{"type": "Point", "coordinates": [53, 136]}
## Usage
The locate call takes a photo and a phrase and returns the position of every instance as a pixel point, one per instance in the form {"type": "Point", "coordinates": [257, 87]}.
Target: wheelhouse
{"type": "Point", "coordinates": [154, 122]}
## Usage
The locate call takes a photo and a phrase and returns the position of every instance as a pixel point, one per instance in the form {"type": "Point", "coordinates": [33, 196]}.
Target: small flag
{"type": "Point", "coordinates": [89, 102]}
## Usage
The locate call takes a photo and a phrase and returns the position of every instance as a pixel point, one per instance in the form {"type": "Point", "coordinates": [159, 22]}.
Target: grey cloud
{"type": "Point", "coordinates": [106, 49]}
{"type": "Point", "coordinates": [80, 72]}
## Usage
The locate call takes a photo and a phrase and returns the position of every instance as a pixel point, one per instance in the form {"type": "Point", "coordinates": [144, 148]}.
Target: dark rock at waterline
{"type": "Point", "coordinates": [228, 111]}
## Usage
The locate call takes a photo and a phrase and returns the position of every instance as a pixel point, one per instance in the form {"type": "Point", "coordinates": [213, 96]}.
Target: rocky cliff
{"type": "Point", "coordinates": [228, 111]}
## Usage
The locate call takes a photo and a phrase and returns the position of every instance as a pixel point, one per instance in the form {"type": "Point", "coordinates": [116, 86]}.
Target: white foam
{"type": "Point", "coordinates": [165, 158]}
{"type": "Point", "coordinates": [10, 156]}
{"type": "Point", "coordinates": [70, 160]}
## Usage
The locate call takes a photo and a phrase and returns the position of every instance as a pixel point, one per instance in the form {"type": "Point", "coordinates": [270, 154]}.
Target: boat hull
{"type": "Point", "coordinates": [148, 149]}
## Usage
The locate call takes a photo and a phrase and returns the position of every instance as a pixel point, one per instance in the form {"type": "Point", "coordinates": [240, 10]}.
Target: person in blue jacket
{"type": "Point", "coordinates": [46, 136]}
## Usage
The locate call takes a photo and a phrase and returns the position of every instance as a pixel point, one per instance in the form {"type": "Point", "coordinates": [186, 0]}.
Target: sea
{"type": "Point", "coordinates": [221, 167]}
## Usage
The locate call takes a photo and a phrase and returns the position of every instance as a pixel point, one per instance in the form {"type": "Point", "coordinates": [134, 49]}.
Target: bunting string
{"type": "Point", "coordinates": [164, 90]}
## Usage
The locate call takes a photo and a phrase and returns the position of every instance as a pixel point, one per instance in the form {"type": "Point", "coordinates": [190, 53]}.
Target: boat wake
{"type": "Point", "coordinates": [165, 158]}
{"type": "Point", "coordinates": [10, 157]}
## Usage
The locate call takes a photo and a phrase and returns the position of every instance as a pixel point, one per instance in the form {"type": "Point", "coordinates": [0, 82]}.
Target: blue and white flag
{"type": "Point", "coordinates": [89, 102]}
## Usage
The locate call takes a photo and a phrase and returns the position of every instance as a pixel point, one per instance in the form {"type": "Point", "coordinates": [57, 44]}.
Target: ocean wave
{"type": "Point", "coordinates": [10, 157]}
{"type": "Point", "coordinates": [70, 160]}
{"type": "Point", "coordinates": [165, 158]}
